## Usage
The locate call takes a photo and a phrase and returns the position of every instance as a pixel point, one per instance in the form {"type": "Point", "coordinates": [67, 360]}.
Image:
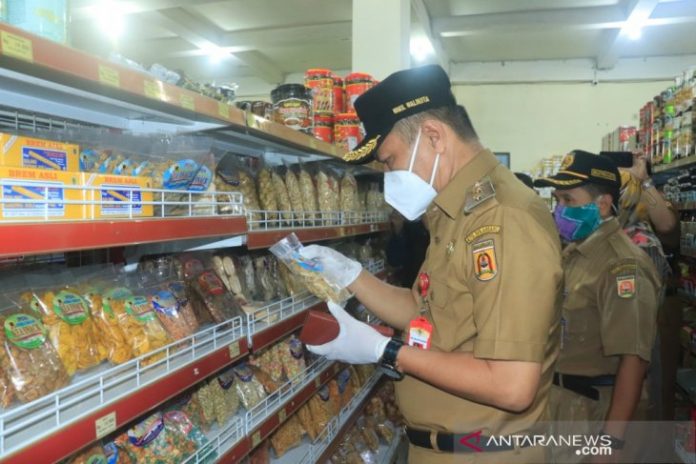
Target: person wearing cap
{"type": "Point", "coordinates": [481, 324]}
{"type": "Point", "coordinates": [609, 307]}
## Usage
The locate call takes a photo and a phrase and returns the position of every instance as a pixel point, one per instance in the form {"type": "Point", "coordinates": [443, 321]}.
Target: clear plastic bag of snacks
{"type": "Point", "coordinates": [27, 358]}
{"type": "Point", "coordinates": [288, 250]}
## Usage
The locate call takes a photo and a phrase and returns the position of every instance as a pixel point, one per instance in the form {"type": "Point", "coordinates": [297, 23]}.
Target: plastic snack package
{"type": "Point", "coordinates": [72, 330]}
{"type": "Point", "coordinates": [231, 175]}
{"type": "Point", "coordinates": [345, 387]}
{"type": "Point", "coordinates": [116, 453]}
{"type": "Point", "coordinates": [309, 193]}
{"type": "Point", "coordinates": [264, 279]}
{"type": "Point", "coordinates": [219, 302]}
{"type": "Point", "coordinates": [282, 197]}
{"type": "Point", "coordinates": [249, 389]}
{"type": "Point", "coordinates": [27, 357]}
{"type": "Point", "coordinates": [291, 357]}
{"type": "Point", "coordinates": [267, 197]}
{"type": "Point", "coordinates": [269, 385]}
{"type": "Point", "coordinates": [229, 392]}
{"type": "Point", "coordinates": [288, 250]}
{"type": "Point", "coordinates": [269, 362]}
{"type": "Point", "coordinates": [348, 200]}
{"type": "Point", "coordinates": [157, 439]}
{"type": "Point", "coordinates": [92, 455]}
{"type": "Point", "coordinates": [178, 421]}
{"type": "Point", "coordinates": [304, 415]}
{"type": "Point", "coordinates": [117, 342]}
{"type": "Point", "coordinates": [288, 436]}
{"type": "Point", "coordinates": [177, 319]}
{"type": "Point", "coordinates": [292, 183]}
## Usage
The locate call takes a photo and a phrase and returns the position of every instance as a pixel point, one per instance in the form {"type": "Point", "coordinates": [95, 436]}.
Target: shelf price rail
{"type": "Point", "coordinates": [62, 422]}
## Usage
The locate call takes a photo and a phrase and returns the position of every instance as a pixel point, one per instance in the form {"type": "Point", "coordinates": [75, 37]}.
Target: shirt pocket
{"type": "Point", "coordinates": [450, 315]}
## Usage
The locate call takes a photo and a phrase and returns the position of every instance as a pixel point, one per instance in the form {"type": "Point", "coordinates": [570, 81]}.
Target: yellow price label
{"type": "Point", "coordinates": [256, 439]}
{"type": "Point", "coordinates": [317, 383]}
{"type": "Point", "coordinates": [224, 110]}
{"type": "Point", "coordinates": [234, 350]}
{"type": "Point", "coordinates": [313, 143]}
{"type": "Point", "coordinates": [282, 415]}
{"type": "Point", "coordinates": [152, 89]}
{"type": "Point", "coordinates": [251, 120]}
{"type": "Point", "coordinates": [105, 425]}
{"type": "Point", "coordinates": [187, 101]}
{"type": "Point", "coordinates": [16, 46]}
{"type": "Point", "coordinates": [109, 76]}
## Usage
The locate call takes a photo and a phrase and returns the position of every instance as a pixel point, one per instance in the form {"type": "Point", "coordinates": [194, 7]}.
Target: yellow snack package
{"type": "Point", "coordinates": [118, 346]}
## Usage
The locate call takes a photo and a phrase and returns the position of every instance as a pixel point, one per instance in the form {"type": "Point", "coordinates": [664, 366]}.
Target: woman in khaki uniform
{"type": "Point", "coordinates": [609, 309]}
{"type": "Point", "coordinates": [490, 280]}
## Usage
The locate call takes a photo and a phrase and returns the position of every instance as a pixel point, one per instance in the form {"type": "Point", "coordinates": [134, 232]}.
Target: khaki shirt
{"type": "Point", "coordinates": [610, 307]}
{"type": "Point", "coordinates": [495, 281]}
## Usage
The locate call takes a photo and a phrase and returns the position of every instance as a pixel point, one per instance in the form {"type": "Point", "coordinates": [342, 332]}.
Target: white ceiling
{"type": "Point", "coordinates": [269, 39]}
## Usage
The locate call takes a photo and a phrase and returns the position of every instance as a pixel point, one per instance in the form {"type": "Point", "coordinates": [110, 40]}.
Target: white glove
{"type": "Point", "coordinates": [357, 342]}
{"type": "Point", "coordinates": [336, 268]}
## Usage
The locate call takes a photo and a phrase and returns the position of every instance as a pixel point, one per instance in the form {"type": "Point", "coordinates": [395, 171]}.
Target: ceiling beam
{"type": "Point", "coordinates": [421, 11]}
{"type": "Point", "coordinates": [589, 18]}
{"type": "Point", "coordinates": [207, 36]}
{"type": "Point", "coordinates": [81, 10]}
{"type": "Point", "coordinates": [638, 12]}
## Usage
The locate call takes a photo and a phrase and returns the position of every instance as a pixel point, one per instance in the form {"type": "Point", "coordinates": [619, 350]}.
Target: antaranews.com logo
{"type": "Point", "coordinates": [584, 445]}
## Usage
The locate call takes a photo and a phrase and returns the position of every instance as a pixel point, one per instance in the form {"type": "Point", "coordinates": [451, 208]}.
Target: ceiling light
{"type": "Point", "coordinates": [633, 29]}
{"type": "Point", "coordinates": [421, 48]}
{"type": "Point", "coordinates": [110, 17]}
{"type": "Point", "coordinates": [216, 54]}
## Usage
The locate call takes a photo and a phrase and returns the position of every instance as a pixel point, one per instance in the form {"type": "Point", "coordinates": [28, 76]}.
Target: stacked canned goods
{"type": "Point", "coordinates": [321, 83]}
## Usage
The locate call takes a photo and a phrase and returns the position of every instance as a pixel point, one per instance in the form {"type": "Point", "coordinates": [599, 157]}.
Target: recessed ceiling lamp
{"type": "Point", "coordinates": [633, 30]}
{"type": "Point", "coordinates": [421, 48]}
{"type": "Point", "coordinates": [216, 54]}
{"type": "Point", "coordinates": [110, 17]}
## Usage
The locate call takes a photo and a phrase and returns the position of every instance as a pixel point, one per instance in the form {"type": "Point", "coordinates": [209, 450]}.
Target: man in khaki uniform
{"type": "Point", "coordinates": [488, 287]}
{"type": "Point", "coordinates": [610, 305]}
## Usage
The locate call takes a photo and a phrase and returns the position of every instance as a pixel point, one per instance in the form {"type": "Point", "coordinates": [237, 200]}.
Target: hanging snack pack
{"type": "Point", "coordinates": [309, 194]}
{"type": "Point", "coordinates": [288, 436]}
{"type": "Point", "coordinates": [348, 202]}
{"type": "Point", "coordinates": [160, 438]}
{"type": "Point", "coordinates": [177, 319]}
{"type": "Point", "coordinates": [294, 192]}
{"type": "Point", "coordinates": [291, 357]}
{"type": "Point", "coordinates": [249, 389]}
{"type": "Point", "coordinates": [267, 196]}
{"type": "Point", "coordinates": [232, 176]}
{"type": "Point", "coordinates": [288, 250]}
{"type": "Point", "coordinates": [137, 318]}
{"type": "Point", "coordinates": [27, 358]}
{"type": "Point", "coordinates": [71, 328]}
{"type": "Point", "coordinates": [220, 303]}
{"type": "Point", "coordinates": [118, 345]}
{"type": "Point", "coordinates": [282, 197]}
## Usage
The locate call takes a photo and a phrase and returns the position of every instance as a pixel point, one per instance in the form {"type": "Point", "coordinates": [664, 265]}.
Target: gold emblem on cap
{"type": "Point", "coordinates": [362, 151]}
{"type": "Point", "coordinates": [567, 161]}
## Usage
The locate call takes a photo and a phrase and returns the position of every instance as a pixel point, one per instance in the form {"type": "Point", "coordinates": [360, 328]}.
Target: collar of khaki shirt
{"type": "Point", "coordinates": [607, 228]}
{"type": "Point", "coordinates": [452, 198]}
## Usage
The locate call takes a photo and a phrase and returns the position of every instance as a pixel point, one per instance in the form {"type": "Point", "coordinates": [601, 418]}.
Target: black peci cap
{"type": "Point", "coordinates": [580, 168]}
{"type": "Point", "coordinates": [402, 94]}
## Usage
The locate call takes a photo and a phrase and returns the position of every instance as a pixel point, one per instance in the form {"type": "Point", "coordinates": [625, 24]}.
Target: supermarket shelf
{"type": "Point", "coordinates": [57, 425]}
{"type": "Point", "coordinates": [52, 237]}
{"type": "Point", "coordinates": [229, 441]}
{"type": "Point", "coordinates": [387, 453]}
{"type": "Point", "coordinates": [686, 457]}
{"type": "Point", "coordinates": [680, 163]}
{"type": "Point", "coordinates": [325, 443]}
{"type": "Point", "coordinates": [39, 68]}
{"type": "Point", "coordinates": [264, 228]}
{"type": "Point", "coordinates": [273, 322]}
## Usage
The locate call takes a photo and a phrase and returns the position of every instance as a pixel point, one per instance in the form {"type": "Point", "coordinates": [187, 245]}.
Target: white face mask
{"type": "Point", "coordinates": [406, 192]}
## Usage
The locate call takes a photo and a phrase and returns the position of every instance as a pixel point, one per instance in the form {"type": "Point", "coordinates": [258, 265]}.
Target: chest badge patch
{"type": "Point", "coordinates": [626, 286]}
{"type": "Point", "coordinates": [485, 264]}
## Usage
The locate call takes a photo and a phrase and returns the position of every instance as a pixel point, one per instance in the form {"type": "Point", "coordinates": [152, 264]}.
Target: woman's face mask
{"type": "Point", "coordinates": [577, 222]}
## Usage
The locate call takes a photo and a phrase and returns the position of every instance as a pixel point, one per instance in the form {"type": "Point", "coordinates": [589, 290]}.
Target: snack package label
{"type": "Point", "coordinates": [342, 379]}
{"type": "Point", "coordinates": [296, 349]}
{"type": "Point", "coordinates": [139, 308]}
{"type": "Point", "coordinates": [116, 293]}
{"type": "Point", "coordinates": [165, 302]}
{"type": "Point", "coordinates": [118, 202]}
{"type": "Point", "coordinates": [88, 160]}
{"type": "Point", "coordinates": [324, 393]}
{"type": "Point", "coordinates": [122, 167]}
{"type": "Point", "coordinates": [145, 432]}
{"type": "Point", "coordinates": [201, 181]}
{"type": "Point", "coordinates": [70, 307]}
{"type": "Point", "coordinates": [226, 379]}
{"type": "Point", "coordinates": [41, 158]}
{"type": "Point", "coordinates": [211, 283]}
{"type": "Point", "coordinates": [25, 331]}
{"type": "Point", "coordinates": [15, 193]}
{"type": "Point", "coordinates": [179, 291]}
{"type": "Point", "coordinates": [180, 175]}
{"type": "Point", "coordinates": [243, 372]}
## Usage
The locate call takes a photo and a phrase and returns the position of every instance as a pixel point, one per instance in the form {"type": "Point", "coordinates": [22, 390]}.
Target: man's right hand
{"type": "Point", "coordinates": [336, 268]}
